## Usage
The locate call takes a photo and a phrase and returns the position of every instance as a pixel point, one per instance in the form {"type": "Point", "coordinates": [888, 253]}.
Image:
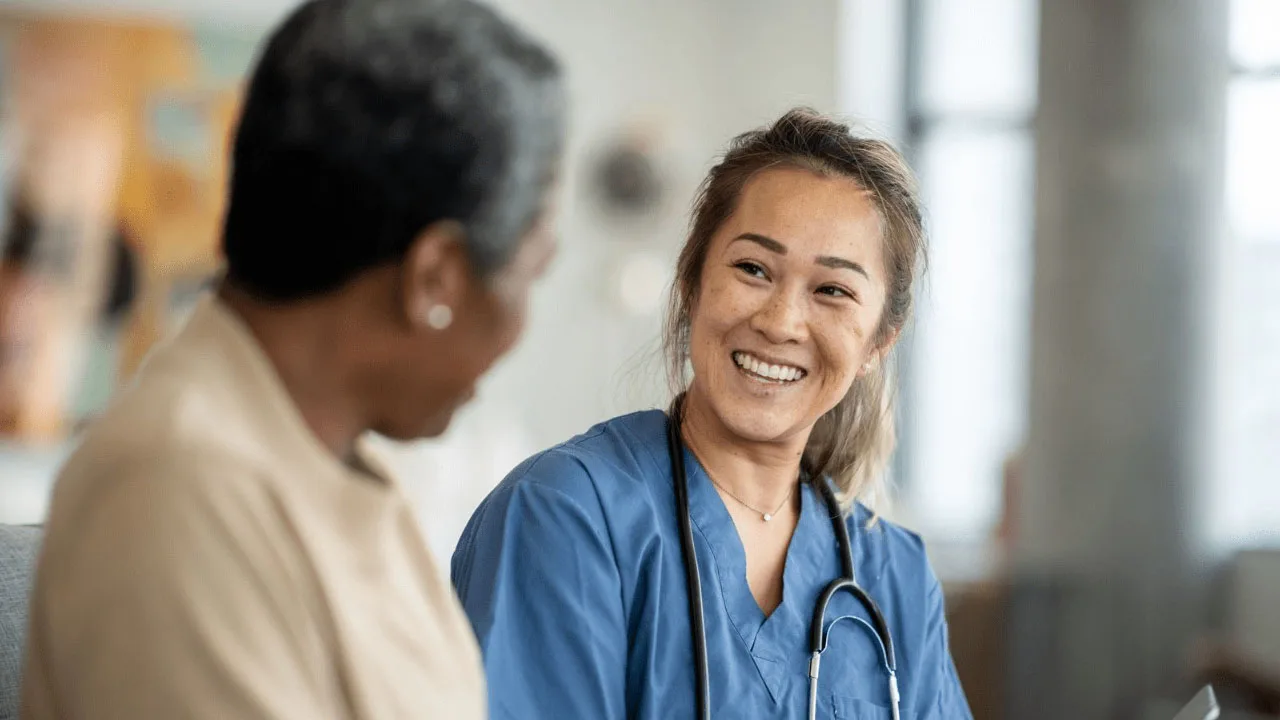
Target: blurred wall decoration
{"type": "Point", "coordinates": [114, 156]}
{"type": "Point", "coordinates": [627, 177]}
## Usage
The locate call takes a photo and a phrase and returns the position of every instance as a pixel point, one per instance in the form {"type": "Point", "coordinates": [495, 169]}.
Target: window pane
{"type": "Point", "coordinates": [1245, 494]}
{"type": "Point", "coordinates": [978, 57]}
{"type": "Point", "coordinates": [1255, 32]}
{"type": "Point", "coordinates": [970, 352]}
{"type": "Point", "coordinates": [1253, 157]}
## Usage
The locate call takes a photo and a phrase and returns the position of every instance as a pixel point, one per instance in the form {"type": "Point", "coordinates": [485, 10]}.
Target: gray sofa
{"type": "Point", "coordinates": [18, 547]}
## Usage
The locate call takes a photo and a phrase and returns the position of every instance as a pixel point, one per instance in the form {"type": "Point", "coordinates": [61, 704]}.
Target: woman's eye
{"type": "Point", "coordinates": [751, 269]}
{"type": "Point", "coordinates": [835, 291]}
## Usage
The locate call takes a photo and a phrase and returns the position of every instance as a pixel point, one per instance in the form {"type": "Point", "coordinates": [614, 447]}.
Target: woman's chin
{"type": "Point", "coordinates": [754, 417]}
{"type": "Point", "coordinates": [751, 424]}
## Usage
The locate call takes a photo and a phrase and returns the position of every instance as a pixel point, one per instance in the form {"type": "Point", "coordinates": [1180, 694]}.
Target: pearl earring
{"type": "Point", "coordinates": [439, 317]}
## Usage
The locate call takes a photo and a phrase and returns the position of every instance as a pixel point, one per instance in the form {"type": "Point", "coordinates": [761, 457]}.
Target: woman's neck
{"type": "Point", "coordinates": [307, 359]}
{"type": "Point", "coordinates": [760, 474]}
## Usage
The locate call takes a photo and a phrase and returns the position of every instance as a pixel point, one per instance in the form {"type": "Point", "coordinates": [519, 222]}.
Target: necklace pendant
{"type": "Point", "coordinates": [767, 517]}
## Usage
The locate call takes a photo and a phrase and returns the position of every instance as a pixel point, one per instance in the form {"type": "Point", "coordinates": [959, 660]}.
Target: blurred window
{"type": "Point", "coordinates": [1255, 34]}
{"type": "Point", "coordinates": [1245, 496]}
{"type": "Point", "coordinates": [971, 97]}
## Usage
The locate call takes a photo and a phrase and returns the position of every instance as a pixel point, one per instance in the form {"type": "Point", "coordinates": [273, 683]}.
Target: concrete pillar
{"type": "Point", "coordinates": [1129, 195]}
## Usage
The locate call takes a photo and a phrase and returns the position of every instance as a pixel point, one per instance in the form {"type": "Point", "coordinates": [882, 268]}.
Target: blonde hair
{"type": "Point", "coordinates": [853, 442]}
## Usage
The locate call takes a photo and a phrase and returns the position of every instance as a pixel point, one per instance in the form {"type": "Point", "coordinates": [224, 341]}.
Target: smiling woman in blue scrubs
{"type": "Point", "coordinates": [790, 292]}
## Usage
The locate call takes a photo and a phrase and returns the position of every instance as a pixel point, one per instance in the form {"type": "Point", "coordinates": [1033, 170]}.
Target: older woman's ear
{"type": "Point", "coordinates": [435, 275]}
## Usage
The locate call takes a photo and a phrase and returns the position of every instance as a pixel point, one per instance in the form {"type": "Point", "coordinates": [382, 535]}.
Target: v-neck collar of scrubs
{"type": "Point", "coordinates": [780, 640]}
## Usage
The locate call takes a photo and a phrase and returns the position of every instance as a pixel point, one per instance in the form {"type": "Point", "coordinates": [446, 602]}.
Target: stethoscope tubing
{"type": "Point", "coordinates": [697, 626]}
{"type": "Point", "coordinates": [818, 630]}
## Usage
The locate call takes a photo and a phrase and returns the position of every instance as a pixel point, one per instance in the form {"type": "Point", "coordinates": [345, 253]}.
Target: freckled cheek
{"type": "Point", "coordinates": [839, 352]}
{"type": "Point", "coordinates": [721, 309]}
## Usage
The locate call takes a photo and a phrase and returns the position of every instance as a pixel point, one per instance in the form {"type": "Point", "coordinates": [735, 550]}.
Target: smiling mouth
{"type": "Point", "coordinates": [759, 370]}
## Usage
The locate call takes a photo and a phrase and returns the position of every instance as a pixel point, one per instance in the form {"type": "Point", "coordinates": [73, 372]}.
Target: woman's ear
{"type": "Point", "coordinates": [435, 276]}
{"type": "Point", "coordinates": [886, 345]}
{"type": "Point", "coordinates": [876, 357]}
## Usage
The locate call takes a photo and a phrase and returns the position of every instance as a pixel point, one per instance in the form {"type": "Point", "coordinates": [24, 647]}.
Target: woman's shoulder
{"type": "Point", "coordinates": [889, 550]}
{"type": "Point", "coordinates": [570, 495]}
{"type": "Point", "coordinates": [566, 501]}
{"type": "Point", "coordinates": [864, 521]}
{"type": "Point", "coordinates": [603, 461]}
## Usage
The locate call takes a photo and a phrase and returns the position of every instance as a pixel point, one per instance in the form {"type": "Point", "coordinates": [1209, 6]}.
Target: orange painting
{"type": "Point", "coordinates": [89, 103]}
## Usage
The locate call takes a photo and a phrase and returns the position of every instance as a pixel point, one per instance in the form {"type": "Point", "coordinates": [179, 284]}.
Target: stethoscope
{"type": "Point", "coordinates": [819, 630]}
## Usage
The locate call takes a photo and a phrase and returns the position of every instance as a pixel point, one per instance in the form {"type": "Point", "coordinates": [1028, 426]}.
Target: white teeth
{"type": "Point", "coordinates": [779, 373]}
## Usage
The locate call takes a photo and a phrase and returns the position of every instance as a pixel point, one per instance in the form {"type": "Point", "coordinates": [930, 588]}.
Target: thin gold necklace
{"type": "Point", "coordinates": [764, 514]}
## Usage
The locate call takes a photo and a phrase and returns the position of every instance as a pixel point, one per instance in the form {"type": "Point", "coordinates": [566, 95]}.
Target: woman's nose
{"type": "Point", "coordinates": [781, 319]}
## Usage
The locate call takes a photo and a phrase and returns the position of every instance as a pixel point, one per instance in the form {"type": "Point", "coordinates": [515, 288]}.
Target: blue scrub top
{"type": "Point", "coordinates": [572, 575]}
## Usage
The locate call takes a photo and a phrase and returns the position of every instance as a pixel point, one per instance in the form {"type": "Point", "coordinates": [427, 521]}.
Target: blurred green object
{"type": "Point", "coordinates": [226, 53]}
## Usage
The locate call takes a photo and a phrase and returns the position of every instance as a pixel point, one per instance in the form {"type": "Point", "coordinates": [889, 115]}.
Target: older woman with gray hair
{"type": "Point", "coordinates": [220, 545]}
